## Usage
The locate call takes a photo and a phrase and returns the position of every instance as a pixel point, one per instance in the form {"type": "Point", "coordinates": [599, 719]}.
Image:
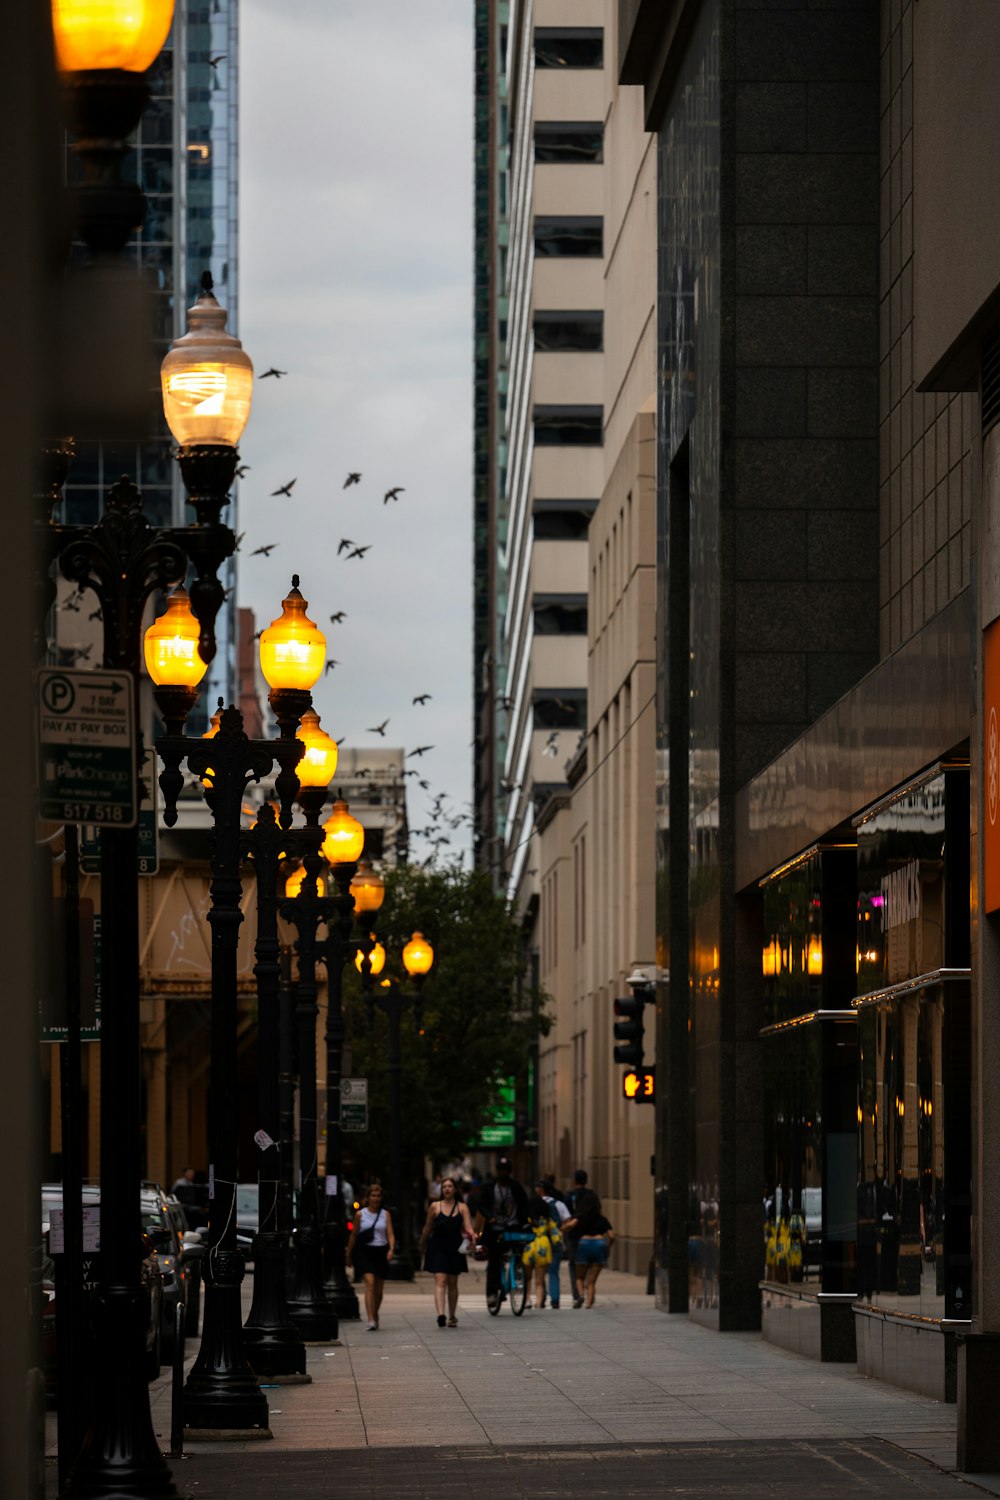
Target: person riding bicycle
{"type": "Point", "coordinates": [503, 1205]}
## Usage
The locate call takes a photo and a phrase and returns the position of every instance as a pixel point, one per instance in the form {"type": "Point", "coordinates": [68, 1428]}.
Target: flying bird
{"type": "Point", "coordinates": [411, 772]}
{"type": "Point", "coordinates": [82, 653]}
{"type": "Point", "coordinates": [264, 551]}
{"type": "Point", "coordinates": [333, 662]}
{"type": "Point", "coordinates": [363, 771]}
{"type": "Point", "coordinates": [236, 544]}
{"type": "Point", "coordinates": [359, 551]}
{"type": "Point", "coordinates": [425, 785]}
{"type": "Point", "coordinates": [95, 614]}
{"type": "Point", "coordinates": [345, 542]}
{"type": "Point", "coordinates": [343, 737]}
{"type": "Point", "coordinates": [422, 698]}
{"type": "Point", "coordinates": [284, 489]}
{"type": "Point", "coordinates": [272, 371]}
{"type": "Point", "coordinates": [242, 469]}
{"type": "Point", "coordinates": [551, 746]}
{"type": "Point", "coordinates": [340, 615]}
{"type": "Point", "coordinates": [377, 728]}
{"type": "Point", "coordinates": [352, 478]}
{"type": "Point", "coordinates": [72, 603]}
{"type": "Point", "coordinates": [420, 750]}
{"type": "Point", "coordinates": [213, 62]}
{"type": "Point", "coordinates": [393, 494]}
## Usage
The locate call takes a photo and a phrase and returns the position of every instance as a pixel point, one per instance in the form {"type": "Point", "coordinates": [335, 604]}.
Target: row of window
{"type": "Point", "coordinates": [569, 332]}
{"type": "Point", "coordinates": [562, 520]}
{"type": "Point", "coordinates": [566, 142]}
{"type": "Point", "coordinates": [579, 235]}
{"type": "Point", "coordinates": [568, 426]}
{"type": "Point", "coordinates": [569, 47]}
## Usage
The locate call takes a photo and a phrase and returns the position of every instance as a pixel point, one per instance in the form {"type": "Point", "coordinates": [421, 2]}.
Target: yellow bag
{"type": "Point", "coordinates": [539, 1252]}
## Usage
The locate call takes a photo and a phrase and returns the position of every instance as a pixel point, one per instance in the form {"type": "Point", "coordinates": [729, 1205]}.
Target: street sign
{"type": "Point", "coordinates": [148, 862]}
{"type": "Point", "coordinates": [91, 1230]}
{"type": "Point", "coordinates": [86, 747]}
{"type": "Point", "coordinates": [354, 1104]}
{"type": "Point", "coordinates": [639, 1084]}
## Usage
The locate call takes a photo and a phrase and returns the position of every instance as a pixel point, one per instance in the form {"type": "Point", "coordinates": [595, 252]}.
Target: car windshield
{"type": "Point", "coordinates": [158, 1229]}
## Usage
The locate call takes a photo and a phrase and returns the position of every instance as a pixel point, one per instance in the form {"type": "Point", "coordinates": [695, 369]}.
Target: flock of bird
{"type": "Point", "coordinates": [351, 550]}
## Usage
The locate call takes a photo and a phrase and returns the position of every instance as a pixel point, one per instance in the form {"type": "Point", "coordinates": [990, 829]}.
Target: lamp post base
{"type": "Point", "coordinates": [341, 1295]}
{"type": "Point", "coordinates": [222, 1391]}
{"type": "Point", "coordinates": [308, 1308]}
{"type": "Point", "coordinates": [272, 1343]}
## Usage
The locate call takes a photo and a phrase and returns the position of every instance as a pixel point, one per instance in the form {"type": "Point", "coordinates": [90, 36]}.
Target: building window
{"type": "Point", "coordinates": [569, 234]}
{"type": "Point", "coordinates": [569, 332]}
{"type": "Point", "coordinates": [562, 709]}
{"type": "Point", "coordinates": [569, 47]}
{"type": "Point", "coordinates": [568, 426]}
{"type": "Point", "coordinates": [560, 614]}
{"type": "Point", "coordinates": [569, 142]}
{"type": "Point", "coordinates": [562, 520]}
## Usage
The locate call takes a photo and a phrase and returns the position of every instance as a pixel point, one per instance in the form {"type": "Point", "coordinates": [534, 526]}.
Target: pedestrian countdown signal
{"type": "Point", "coordinates": [639, 1084]}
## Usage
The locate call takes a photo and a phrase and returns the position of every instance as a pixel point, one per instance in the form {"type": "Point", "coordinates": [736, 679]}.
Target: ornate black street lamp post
{"type": "Point", "coordinates": [340, 842]}
{"type": "Point", "coordinates": [222, 1391]}
{"type": "Point", "coordinates": [418, 956]}
{"type": "Point", "coordinates": [362, 897]}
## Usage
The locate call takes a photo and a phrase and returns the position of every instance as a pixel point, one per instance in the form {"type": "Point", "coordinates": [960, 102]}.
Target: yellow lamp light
{"type": "Point", "coordinates": [170, 645]}
{"type": "Point", "coordinates": [317, 766]}
{"type": "Point", "coordinates": [345, 837]}
{"type": "Point", "coordinates": [296, 881]}
{"type": "Point", "coordinates": [376, 959]}
{"type": "Point", "coordinates": [292, 648]}
{"type": "Point", "coordinates": [418, 956]}
{"type": "Point", "coordinates": [815, 956]}
{"type": "Point", "coordinates": [367, 888]}
{"type": "Point", "coordinates": [125, 34]}
{"type": "Point", "coordinates": [207, 379]}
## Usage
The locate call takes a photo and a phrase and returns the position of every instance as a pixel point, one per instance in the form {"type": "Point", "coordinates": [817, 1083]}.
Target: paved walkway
{"type": "Point", "coordinates": [617, 1400]}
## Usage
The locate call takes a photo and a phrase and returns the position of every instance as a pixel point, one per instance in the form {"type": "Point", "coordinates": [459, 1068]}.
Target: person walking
{"type": "Point", "coordinates": [370, 1249]}
{"type": "Point", "coordinates": [570, 1236]}
{"type": "Point", "coordinates": [558, 1215]}
{"type": "Point", "coordinates": [594, 1237]}
{"type": "Point", "coordinates": [544, 1254]}
{"type": "Point", "coordinates": [503, 1204]}
{"type": "Point", "coordinates": [448, 1228]}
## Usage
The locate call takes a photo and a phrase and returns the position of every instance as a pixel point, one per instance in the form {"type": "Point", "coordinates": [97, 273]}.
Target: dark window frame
{"type": "Point", "coordinates": [567, 426]}
{"type": "Point", "coordinates": [580, 318]}
{"type": "Point", "coordinates": [564, 236]}
{"type": "Point", "coordinates": [569, 142]}
{"type": "Point", "coordinates": [548, 57]}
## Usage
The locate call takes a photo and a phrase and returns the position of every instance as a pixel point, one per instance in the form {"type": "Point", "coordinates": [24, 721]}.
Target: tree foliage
{"type": "Point", "coordinates": [479, 1016]}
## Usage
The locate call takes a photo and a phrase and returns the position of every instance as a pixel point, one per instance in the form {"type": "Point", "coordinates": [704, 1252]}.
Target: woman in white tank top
{"type": "Point", "coordinates": [370, 1248]}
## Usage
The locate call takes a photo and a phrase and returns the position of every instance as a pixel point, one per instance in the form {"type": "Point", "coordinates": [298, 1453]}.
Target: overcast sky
{"type": "Point", "coordinates": [356, 156]}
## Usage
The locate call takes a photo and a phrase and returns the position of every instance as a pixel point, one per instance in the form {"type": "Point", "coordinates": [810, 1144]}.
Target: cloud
{"type": "Point", "coordinates": [356, 186]}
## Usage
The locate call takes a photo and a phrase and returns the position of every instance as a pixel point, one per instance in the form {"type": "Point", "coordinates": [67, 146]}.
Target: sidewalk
{"type": "Point", "coordinates": [619, 1400]}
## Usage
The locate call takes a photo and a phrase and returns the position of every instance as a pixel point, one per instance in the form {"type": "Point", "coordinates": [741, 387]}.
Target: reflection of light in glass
{"type": "Point", "coordinates": [815, 956]}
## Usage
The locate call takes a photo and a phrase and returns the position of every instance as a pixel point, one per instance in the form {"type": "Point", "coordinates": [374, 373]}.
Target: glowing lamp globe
{"type": "Point", "coordinates": [317, 766]}
{"type": "Point", "coordinates": [367, 888]}
{"type": "Point", "coordinates": [376, 960]}
{"type": "Point", "coordinates": [297, 880]}
{"type": "Point", "coordinates": [345, 837]}
{"type": "Point", "coordinates": [418, 956]}
{"type": "Point", "coordinates": [170, 645]}
{"type": "Point", "coordinates": [125, 34]}
{"type": "Point", "coordinates": [292, 648]}
{"type": "Point", "coordinates": [207, 379]}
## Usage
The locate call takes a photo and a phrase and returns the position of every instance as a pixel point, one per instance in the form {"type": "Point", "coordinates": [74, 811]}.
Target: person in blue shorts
{"type": "Point", "coordinates": [594, 1236]}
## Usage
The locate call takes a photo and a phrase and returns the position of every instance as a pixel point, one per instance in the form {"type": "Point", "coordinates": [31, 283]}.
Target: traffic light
{"type": "Point", "coordinates": [629, 1030]}
{"type": "Point", "coordinates": [639, 1084]}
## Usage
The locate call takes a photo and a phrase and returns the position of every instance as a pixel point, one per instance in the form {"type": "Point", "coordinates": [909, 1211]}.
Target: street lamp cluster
{"type": "Point", "coordinates": [104, 50]}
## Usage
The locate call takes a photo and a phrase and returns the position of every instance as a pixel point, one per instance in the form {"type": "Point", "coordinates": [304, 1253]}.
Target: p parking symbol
{"type": "Point", "coordinates": [58, 694]}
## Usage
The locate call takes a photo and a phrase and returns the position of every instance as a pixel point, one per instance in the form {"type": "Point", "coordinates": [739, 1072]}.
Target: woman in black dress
{"type": "Point", "coordinates": [448, 1225]}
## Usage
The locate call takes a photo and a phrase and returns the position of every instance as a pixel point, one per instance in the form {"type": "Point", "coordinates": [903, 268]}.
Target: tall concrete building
{"type": "Point", "coordinates": [570, 722]}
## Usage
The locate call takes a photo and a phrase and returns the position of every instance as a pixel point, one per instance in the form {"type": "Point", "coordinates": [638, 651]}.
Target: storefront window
{"type": "Point", "coordinates": [913, 1006]}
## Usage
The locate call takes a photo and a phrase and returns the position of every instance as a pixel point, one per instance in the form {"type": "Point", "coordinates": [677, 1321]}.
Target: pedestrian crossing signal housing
{"type": "Point", "coordinates": [639, 1084]}
{"type": "Point", "coordinates": [629, 1030]}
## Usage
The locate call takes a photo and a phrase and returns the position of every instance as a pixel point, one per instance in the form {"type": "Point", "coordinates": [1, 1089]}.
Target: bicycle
{"type": "Point", "coordinates": [513, 1274]}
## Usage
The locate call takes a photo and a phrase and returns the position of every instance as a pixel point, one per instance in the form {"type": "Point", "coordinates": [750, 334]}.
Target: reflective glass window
{"type": "Point", "coordinates": [562, 520]}
{"type": "Point", "coordinates": [568, 426]}
{"type": "Point", "coordinates": [564, 710]}
{"type": "Point", "coordinates": [570, 235]}
{"type": "Point", "coordinates": [569, 47]}
{"type": "Point", "coordinates": [565, 332]}
{"type": "Point", "coordinates": [560, 615]}
{"type": "Point", "coordinates": [569, 142]}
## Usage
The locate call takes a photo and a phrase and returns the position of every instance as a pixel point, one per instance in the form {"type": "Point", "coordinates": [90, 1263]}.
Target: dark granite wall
{"type": "Point", "coordinates": [768, 408]}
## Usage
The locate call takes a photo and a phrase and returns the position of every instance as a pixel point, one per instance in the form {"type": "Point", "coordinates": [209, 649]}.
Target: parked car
{"type": "Point", "coordinates": [178, 1251]}
{"type": "Point", "coordinates": [152, 1281]}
